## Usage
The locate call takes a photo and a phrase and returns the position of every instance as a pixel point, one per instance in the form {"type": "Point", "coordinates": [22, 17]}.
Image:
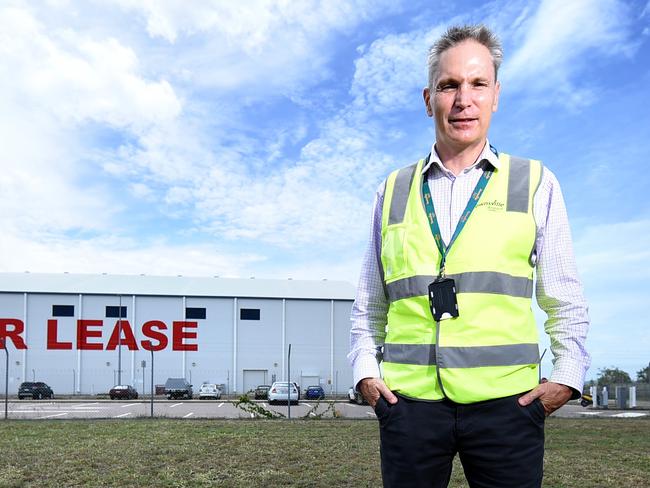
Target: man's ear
{"type": "Point", "coordinates": [426, 94]}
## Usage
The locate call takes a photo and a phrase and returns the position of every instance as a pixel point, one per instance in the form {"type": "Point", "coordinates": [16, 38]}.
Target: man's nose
{"type": "Point", "coordinates": [463, 95]}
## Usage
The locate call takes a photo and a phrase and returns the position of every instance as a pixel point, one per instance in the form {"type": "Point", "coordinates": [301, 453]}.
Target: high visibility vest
{"type": "Point", "coordinates": [491, 349]}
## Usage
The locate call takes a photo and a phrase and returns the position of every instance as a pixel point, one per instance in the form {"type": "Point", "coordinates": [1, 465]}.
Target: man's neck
{"type": "Point", "coordinates": [458, 160]}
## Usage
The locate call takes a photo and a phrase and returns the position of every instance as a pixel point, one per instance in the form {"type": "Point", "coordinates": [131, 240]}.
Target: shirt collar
{"type": "Point", "coordinates": [486, 154]}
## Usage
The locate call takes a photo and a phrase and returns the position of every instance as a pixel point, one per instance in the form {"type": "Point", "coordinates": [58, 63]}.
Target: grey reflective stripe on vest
{"type": "Point", "coordinates": [422, 354]}
{"type": "Point", "coordinates": [493, 282]}
{"type": "Point", "coordinates": [409, 287]}
{"type": "Point", "coordinates": [400, 197]}
{"type": "Point", "coordinates": [462, 357]}
{"type": "Point", "coordinates": [518, 185]}
{"type": "Point", "coordinates": [470, 282]}
{"type": "Point", "coordinates": [478, 356]}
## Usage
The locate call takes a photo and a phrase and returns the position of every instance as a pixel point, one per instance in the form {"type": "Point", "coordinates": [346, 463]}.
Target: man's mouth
{"type": "Point", "coordinates": [462, 120]}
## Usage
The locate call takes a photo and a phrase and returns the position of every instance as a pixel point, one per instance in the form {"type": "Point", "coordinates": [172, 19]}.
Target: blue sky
{"type": "Point", "coordinates": [248, 138]}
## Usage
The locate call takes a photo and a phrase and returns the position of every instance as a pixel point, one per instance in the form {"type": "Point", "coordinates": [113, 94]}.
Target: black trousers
{"type": "Point", "coordinates": [499, 442]}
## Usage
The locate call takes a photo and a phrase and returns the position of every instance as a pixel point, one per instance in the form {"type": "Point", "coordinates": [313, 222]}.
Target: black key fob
{"type": "Point", "coordinates": [442, 299]}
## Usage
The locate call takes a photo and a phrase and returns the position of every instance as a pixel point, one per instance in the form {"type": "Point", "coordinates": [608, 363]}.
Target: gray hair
{"type": "Point", "coordinates": [457, 34]}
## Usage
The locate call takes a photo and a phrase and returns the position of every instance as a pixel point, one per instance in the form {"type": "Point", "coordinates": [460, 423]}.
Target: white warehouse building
{"type": "Point", "coordinates": [86, 333]}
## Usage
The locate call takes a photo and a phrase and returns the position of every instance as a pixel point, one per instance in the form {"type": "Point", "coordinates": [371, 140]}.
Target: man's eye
{"type": "Point", "coordinates": [447, 87]}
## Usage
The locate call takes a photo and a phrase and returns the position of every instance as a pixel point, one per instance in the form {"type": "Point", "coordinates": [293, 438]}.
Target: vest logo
{"type": "Point", "coordinates": [492, 205]}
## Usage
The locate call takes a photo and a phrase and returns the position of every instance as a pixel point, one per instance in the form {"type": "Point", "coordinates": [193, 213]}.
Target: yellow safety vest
{"type": "Point", "coordinates": [490, 350]}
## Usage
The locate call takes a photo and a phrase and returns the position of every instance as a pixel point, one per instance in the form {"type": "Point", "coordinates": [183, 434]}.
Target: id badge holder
{"type": "Point", "coordinates": [442, 299]}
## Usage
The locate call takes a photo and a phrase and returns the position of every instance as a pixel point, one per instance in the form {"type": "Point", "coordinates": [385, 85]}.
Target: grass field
{"type": "Point", "coordinates": [273, 453]}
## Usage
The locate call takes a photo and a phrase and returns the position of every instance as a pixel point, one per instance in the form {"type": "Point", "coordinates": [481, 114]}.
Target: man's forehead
{"type": "Point", "coordinates": [466, 54]}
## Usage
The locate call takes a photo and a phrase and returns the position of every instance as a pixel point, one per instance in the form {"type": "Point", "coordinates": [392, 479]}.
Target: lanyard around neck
{"type": "Point", "coordinates": [433, 221]}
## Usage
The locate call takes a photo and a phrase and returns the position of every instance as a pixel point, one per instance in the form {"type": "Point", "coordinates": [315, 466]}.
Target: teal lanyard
{"type": "Point", "coordinates": [433, 222]}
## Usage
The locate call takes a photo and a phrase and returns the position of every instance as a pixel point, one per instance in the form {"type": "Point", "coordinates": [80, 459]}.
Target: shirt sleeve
{"type": "Point", "coordinates": [370, 308]}
{"type": "Point", "coordinates": [558, 288]}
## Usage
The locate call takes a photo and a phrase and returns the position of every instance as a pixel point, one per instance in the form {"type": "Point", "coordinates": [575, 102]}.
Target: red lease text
{"type": "Point", "coordinates": [90, 335]}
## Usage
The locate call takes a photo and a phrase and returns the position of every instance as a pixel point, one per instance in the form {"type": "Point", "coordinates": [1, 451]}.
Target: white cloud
{"type": "Point", "coordinates": [258, 47]}
{"type": "Point", "coordinates": [612, 259]}
{"type": "Point", "coordinates": [55, 82]}
{"type": "Point", "coordinates": [75, 78]}
{"type": "Point", "coordinates": [392, 71]}
{"type": "Point", "coordinates": [559, 40]}
{"type": "Point", "coordinates": [114, 255]}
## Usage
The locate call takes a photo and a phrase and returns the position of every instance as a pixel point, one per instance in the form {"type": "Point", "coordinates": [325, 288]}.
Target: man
{"type": "Point", "coordinates": [444, 298]}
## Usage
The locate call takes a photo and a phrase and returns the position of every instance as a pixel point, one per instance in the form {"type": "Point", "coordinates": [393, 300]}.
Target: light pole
{"type": "Point", "coordinates": [119, 342]}
{"type": "Point", "coordinates": [144, 365]}
{"type": "Point", "coordinates": [152, 381]}
{"type": "Point", "coordinates": [3, 342]}
{"type": "Point", "coordinates": [289, 383]}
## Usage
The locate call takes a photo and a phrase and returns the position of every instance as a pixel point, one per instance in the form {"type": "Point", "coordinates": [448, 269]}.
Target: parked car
{"type": "Point", "coordinates": [178, 388]}
{"type": "Point", "coordinates": [123, 392]}
{"type": "Point", "coordinates": [262, 392]}
{"type": "Point", "coordinates": [281, 390]}
{"type": "Point", "coordinates": [209, 390]}
{"type": "Point", "coordinates": [315, 393]}
{"type": "Point", "coordinates": [35, 390]}
{"type": "Point", "coordinates": [356, 397]}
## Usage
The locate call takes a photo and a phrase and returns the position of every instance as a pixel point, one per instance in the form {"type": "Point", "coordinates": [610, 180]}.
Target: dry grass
{"type": "Point", "coordinates": [251, 453]}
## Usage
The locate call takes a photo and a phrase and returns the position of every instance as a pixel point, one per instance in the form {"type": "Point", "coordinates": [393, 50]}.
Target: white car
{"type": "Point", "coordinates": [281, 390]}
{"type": "Point", "coordinates": [209, 390]}
{"type": "Point", "coordinates": [355, 397]}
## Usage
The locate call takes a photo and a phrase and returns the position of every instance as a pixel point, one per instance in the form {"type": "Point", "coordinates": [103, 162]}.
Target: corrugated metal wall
{"type": "Point", "coordinates": [226, 345]}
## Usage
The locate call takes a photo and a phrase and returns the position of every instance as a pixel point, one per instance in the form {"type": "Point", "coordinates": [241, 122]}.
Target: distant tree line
{"type": "Point", "coordinates": [613, 375]}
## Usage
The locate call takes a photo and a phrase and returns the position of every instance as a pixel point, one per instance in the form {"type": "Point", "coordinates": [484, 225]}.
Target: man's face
{"type": "Point", "coordinates": [464, 96]}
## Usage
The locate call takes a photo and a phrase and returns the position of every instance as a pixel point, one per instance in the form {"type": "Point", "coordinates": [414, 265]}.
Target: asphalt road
{"type": "Point", "coordinates": [65, 409]}
{"type": "Point", "coordinates": [101, 409]}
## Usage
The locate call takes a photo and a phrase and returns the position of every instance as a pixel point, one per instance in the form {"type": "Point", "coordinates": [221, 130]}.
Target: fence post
{"type": "Point", "coordinates": [593, 391]}
{"type": "Point", "coordinates": [605, 398]}
{"type": "Point", "coordinates": [632, 396]}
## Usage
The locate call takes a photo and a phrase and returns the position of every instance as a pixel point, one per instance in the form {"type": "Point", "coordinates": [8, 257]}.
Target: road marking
{"type": "Point", "coordinates": [128, 405]}
{"type": "Point", "coordinates": [371, 414]}
{"type": "Point", "coordinates": [220, 405]}
{"type": "Point", "coordinates": [252, 415]}
{"type": "Point", "coordinates": [175, 405]}
{"type": "Point", "coordinates": [188, 415]}
{"type": "Point", "coordinates": [307, 404]}
{"type": "Point", "coordinates": [50, 410]}
{"type": "Point", "coordinates": [84, 405]}
{"type": "Point", "coordinates": [629, 414]}
{"type": "Point", "coordinates": [264, 404]}
{"type": "Point", "coordinates": [589, 413]}
{"type": "Point", "coordinates": [55, 415]}
{"type": "Point", "coordinates": [312, 414]}
{"type": "Point", "coordinates": [122, 415]}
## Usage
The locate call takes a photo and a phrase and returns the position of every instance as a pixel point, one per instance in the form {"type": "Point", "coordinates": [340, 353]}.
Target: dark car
{"type": "Point", "coordinates": [178, 388]}
{"type": "Point", "coordinates": [262, 392]}
{"type": "Point", "coordinates": [123, 392]}
{"type": "Point", "coordinates": [315, 393]}
{"type": "Point", "coordinates": [35, 390]}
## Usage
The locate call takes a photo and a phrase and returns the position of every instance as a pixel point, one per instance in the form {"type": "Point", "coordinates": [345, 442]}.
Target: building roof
{"type": "Point", "coordinates": [103, 284]}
